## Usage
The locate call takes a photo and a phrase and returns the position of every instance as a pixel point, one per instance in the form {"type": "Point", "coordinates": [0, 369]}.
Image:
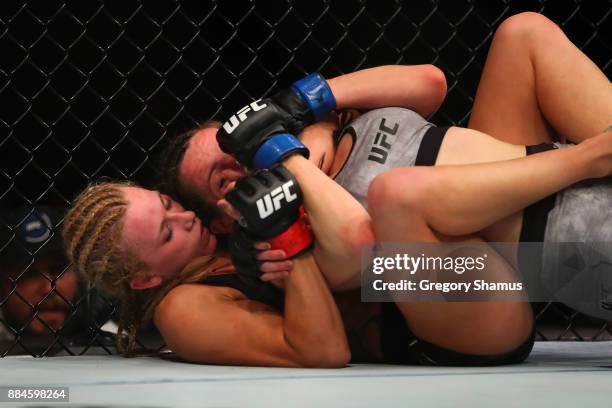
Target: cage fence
{"type": "Point", "coordinates": [93, 89]}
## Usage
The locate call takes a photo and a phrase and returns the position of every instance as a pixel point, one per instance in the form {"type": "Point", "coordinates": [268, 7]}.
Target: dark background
{"type": "Point", "coordinates": [91, 89]}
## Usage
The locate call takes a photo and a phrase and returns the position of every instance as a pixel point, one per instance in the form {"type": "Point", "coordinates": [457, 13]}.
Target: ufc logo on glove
{"type": "Point", "coordinates": [272, 201]}
{"type": "Point", "coordinates": [235, 120]}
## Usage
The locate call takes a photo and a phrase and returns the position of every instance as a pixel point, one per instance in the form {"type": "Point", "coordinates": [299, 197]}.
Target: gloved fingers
{"type": "Point", "coordinates": [245, 185]}
{"type": "Point", "coordinates": [240, 196]}
{"type": "Point", "coordinates": [271, 255]}
{"type": "Point", "coordinates": [276, 266]}
{"type": "Point", "coordinates": [265, 177]}
{"type": "Point", "coordinates": [228, 209]}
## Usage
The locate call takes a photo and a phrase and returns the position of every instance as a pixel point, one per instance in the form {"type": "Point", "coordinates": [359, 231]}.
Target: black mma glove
{"type": "Point", "coordinates": [270, 202]}
{"type": "Point", "coordinates": [243, 252]}
{"type": "Point", "coordinates": [254, 125]}
{"type": "Point", "coordinates": [260, 134]}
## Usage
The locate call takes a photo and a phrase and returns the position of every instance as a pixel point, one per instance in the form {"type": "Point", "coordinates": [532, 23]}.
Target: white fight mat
{"type": "Point", "coordinates": [557, 374]}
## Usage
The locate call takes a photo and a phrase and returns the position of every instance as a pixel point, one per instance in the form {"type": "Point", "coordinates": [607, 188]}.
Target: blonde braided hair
{"type": "Point", "coordinates": [93, 237]}
{"type": "Point", "coordinates": [92, 233]}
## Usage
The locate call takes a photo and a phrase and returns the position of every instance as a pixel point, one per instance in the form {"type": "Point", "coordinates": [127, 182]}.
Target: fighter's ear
{"type": "Point", "coordinates": [145, 282]}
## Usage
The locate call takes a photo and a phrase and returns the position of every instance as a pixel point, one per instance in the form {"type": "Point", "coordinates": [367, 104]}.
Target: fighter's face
{"type": "Point", "coordinates": [206, 171]}
{"type": "Point", "coordinates": [162, 233]}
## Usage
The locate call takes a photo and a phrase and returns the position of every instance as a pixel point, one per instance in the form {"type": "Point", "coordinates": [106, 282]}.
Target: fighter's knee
{"type": "Point", "coordinates": [526, 27]}
{"type": "Point", "coordinates": [401, 188]}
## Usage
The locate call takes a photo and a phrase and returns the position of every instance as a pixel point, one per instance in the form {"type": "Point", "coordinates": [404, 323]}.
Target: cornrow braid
{"type": "Point", "coordinates": [128, 321]}
{"type": "Point", "coordinates": [105, 222]}
{"type": "Point", "coordinates": [88, 198]}
{"type": "Point", "coordinates": [84, 221]}
{"type": "Point", "coordinates": [92, 233]}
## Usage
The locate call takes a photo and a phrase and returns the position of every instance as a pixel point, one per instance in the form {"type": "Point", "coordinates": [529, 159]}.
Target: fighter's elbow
{"type": "Point", "coordinates": [340, 358]}
{"type": "Point", "coordinates": [328, 357]}
{"type": "Point", "coordinates": [359, 235]}
{"type": "Point", "coordinates": [434, 86]}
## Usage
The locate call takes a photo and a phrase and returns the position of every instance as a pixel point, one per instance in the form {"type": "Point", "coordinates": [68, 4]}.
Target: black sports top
{"type": "Point", "coordinates": [251, 287]}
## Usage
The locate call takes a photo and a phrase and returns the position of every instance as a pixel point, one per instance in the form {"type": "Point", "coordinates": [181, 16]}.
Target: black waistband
{"type": "Point", "coordinates": [251, 287]}
{"type": "Point", "coordinates": [430, 146]}
{"type": "Point", "coordinates": [533, 227]}
{"type": "Point", "coordinates": [536, 215]}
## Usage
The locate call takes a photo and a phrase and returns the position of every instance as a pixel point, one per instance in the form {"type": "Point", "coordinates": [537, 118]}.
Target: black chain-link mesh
{"type": "Point", "coordinates": [91, 88]}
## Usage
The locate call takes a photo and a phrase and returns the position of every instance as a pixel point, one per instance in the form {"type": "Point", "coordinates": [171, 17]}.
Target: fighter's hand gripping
{"type": "Point", "coordinates": [255, 260]}
{"type": "Point", "coordinates": [270, 204]}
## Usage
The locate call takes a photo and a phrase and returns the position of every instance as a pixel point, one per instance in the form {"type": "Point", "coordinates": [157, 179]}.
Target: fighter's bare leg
{"type": "Point", "coordinates": [467, 327]}
{"type": "Point", "coordinates": [488, 198]}
{"type": "Point", "coordinates": [537, 86]}
{"type": "Point", "coordinates": [449, 203]}
{"type": "Point", "coordinates": [464, 199]}
{"type": "Point", "coordinates": [460, 199]}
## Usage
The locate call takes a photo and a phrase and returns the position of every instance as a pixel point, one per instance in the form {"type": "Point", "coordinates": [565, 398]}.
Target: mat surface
{"type": "Point", "coordinates": [567, 374]}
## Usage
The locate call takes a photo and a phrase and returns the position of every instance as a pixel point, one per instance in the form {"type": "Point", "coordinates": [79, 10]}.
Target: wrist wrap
{"type": "Point", "coordinates": [295, 239]}
{"type": "Point", "coordinates": [316, 93]}
{"type": "Point", "coordinates": [275, 149]}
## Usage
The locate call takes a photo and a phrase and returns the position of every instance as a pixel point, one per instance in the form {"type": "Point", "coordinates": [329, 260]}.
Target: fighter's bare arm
{"type": "Point", "coordinates": [217, 325]}
{"type": "Point", "coordinates": [421, 88]}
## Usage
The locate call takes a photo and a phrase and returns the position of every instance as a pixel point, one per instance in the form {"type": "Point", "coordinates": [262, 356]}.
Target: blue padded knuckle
{"type": "Point", "coordinates": [316, 93]}
{"type": "Point", "coordinates": [275, 149]}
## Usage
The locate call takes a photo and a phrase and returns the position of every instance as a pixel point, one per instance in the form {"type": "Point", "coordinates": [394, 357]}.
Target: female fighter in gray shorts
{"type": "Point", "coordinates": [395, 138]}
{"type": "Point", "coordinates": [392, 138]}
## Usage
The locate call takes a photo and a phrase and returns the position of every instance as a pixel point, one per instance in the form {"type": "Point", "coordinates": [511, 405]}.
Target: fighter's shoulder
{"type": "Point", "coordinates": [191, 295]}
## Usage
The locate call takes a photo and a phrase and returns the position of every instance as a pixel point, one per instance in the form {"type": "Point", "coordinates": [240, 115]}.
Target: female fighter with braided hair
{"type": "Point", "coordinates": [157, 258]}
